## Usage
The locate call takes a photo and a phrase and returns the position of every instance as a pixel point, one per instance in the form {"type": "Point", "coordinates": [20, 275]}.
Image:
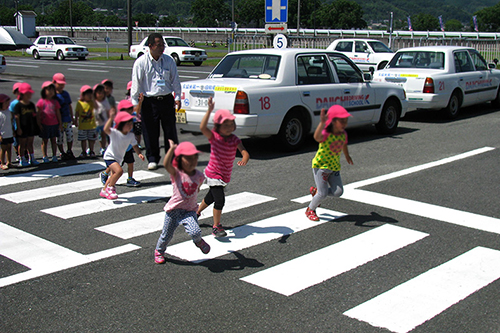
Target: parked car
{"type": "Point", "coordinates": [58, 47]}
{"type": "Point", "coordinates": [281, 92]}
{"type": "Point", "coordinates": [443, 77]}
{"type": "Point", "coordinates": [368, 54]}
{"type": "Point", "coordinates": [176, 47]}
{"type": "Point", "coordinates": [3, 64]}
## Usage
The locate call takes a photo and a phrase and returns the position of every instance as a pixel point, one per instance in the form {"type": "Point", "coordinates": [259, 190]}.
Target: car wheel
{"type": "Point", "coordinates": [451, 110]}
{"type": "Point", "coordinates": [197, 63]}
{"type": "Point", "coordinates": [496, 102]}
{"type": "Point", "coordinates": [81, 58]}
{"type": "Point", "coordinates": [36, 55]}
{"type": "Point", "coordinates": [60, 55]}
{"type": "Point", "coordinates": [389, 118]}
{"type": "Point", "coordinates": [292, 131]}
{"type": "Point", "coordinates": [381, 65]}
{"type": "Point", "coordinates": [176, 59]}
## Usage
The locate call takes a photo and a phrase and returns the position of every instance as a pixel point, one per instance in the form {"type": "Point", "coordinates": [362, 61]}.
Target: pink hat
{"type": "Point", "coordinates": [125, 104]}
{"type": "Point", "coordinates": [129, 85]}
{"type": "Point", "coordinates": [222, 115]}
{"type": "Point", "coordinates": [335, 111]}
{"type": "Point", "coordinates": [46, 84]}
{"type": "Point", "coordinates": [4, 98]}
{"type": "Point", "coordinates": [106, 80]}
{"type": "Point", "coordinates": [121, 117]}
{"type": "Point", "coordinates": [85, 88]}
{"type": "Point", "coordinates": [25, 88]}
{"type": "Point", "coordinates": [16, 86]}
{"type": "Point", "coordinates": [186, 148]}
{"type": "Point", "coordinates": [59, 78]}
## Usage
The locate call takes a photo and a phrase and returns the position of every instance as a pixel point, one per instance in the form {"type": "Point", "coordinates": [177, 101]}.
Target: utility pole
{"type": "Point", "coordinates": [71, 18]}
{"type": "Point", "coordinates": [129, 23]}
{"type": "Point", "coordinates": [298, 18]}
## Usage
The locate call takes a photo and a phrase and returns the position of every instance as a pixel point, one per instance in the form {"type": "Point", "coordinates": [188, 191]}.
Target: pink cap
{"type": "Point", "coordinates": [222, 115]}
{"type": "Point", "coordinates": [335, 111]}
{"type": "Point", "coordinates": [186, 148]}
{"type": "Point", "coordinates": [16, 86]}
{"type": "Point", "coordinates": [85, 88]}
{"type": "Point", "coordinates": [25, 88]}
{"type": "Point", "coordinates": [46, 84]}
{"type": "Point", "coordinates": [106, 80]}
{"type": "Point", "coordinates": [4, 98]}
{"type": "Point", "coordinates": [129, 85]}
{"type": "Point", "coordinates": [59, 78]}
{"type": "Point", "coordinates": [95, 86]}
{"type": "Point", "coordinates": [121, 117]}
{"type": "Point", "coordinates": [125, 104]}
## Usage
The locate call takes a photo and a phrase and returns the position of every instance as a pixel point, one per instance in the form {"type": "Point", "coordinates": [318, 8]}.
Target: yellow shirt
{"type": "Point", "coordinates": [328, 154]}
{"type": "Point", "coordinates": [86, 118]}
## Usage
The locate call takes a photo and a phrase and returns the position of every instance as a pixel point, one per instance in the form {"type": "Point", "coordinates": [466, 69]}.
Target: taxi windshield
{"type": "Point", "coordinates": [63, 40]}
{"type": "Point", "coordinates": [253, 66]}
{"type": "Point", "coordinates": [418, 59]}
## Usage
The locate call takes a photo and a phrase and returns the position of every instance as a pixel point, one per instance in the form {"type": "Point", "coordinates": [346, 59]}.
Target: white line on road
{"type": "Point", "coordinates": [420, 299]}
{"type": "Point", "coordinates": [87, 70]}
{"type": "Point", "coordinates": [303, 272]}
{"type": "Point", "coordinates": [24, 66]}
{"type": "Point", "coordinates": [151, 223]}
{"type": "Point", "coordinates": [42, 256]}
{"type": "Point", "coordinates": [51, 173]}
{"type": "Point", "coordinates": [251, 234]}
{"type": "Point", "coordinates": [68, 188]}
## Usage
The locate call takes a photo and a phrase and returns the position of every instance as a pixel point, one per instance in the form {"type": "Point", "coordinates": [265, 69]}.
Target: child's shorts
{"type": "Point", "coordinates": [137, 128]}
{"type": "Point", "coordinates": [49, 131]}
{"type": "Point", "coordinates": [6, 141]}
{"type": "Point", "coordinates": [109, 162]}
{"type": "Point", "coordinates": [67, 129]}
{"type": "Point", "coordinates": [87, 135]}
{"type": "Point", "coordinates": [129, 157]}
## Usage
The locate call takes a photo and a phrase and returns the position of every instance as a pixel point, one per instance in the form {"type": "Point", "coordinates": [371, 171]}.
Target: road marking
{"type": "Point", "coordinates": [251, 234]}
{"type": "Point", "coordinates": [465, 219]}
{"type": "Point", "coordinates": [102, 204]}
{"type": "Point", "coordinates": [51, 173]}
{"type": "Point", "coordinates": [24, 66]}
{"type": "Point", "coordinates": [308, 270]}
{"type": "Point", "coordinates": [88, 70]}
{"type": "Point", "coordinates": [68, 188]}
{"type": "Point", "coordinates": [420, 299]}
{"type": "Point", "coordinates": [378, 179]}
{"type": "Point", "coordinates": [151, 223]}
{"type": "Point", "coordinates": [42, 256]}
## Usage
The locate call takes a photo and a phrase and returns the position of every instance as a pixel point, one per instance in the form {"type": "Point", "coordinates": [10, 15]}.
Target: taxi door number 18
{"type": "Point", "coordinates": [265, 103]}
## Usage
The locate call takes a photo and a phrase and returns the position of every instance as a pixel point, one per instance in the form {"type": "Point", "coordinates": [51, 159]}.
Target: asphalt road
{"type": "Point", "coordinates": [413, 245]}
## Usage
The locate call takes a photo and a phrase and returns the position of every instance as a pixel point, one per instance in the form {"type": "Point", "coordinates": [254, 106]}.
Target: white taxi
{"type": "Point", "coordinates": [176, 47]}
{"type": "Point", "coordinates": [58, 47]}
{"type": "Point", "coordinates": [368, 54]}
{"type": "Point", "coordinates": [442, 78]}
{"type": "Point", "coordinates": [281, 92]}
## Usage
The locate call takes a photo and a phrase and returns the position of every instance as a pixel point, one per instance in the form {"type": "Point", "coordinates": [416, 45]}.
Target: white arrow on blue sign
{"type": "Point", "coordinates": [276, 11]}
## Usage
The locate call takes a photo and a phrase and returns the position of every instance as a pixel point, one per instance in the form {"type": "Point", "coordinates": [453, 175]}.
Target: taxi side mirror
{"type": "Point", "coordinates": [367, 77]}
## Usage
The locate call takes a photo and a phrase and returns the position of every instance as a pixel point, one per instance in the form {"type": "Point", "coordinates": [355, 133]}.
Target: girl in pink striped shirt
{"type": "Point", "coordinates": [222, 154]}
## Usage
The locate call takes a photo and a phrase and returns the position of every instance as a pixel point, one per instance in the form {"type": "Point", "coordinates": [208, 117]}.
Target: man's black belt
{"type": "Point", "coordinates": [158, 98]}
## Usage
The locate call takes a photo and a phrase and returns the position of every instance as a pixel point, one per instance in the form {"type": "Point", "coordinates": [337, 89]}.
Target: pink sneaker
{"type": "Point", "coordinates": [159, 258]}
{"type": "Point", "coordinates": [103, 193]}
{"type": "Point", "coordinates": [311, 214]}
{"type": "Point", "coordinates": [111, 193]}
{"type": "Point", "coordinates": [204, 247]}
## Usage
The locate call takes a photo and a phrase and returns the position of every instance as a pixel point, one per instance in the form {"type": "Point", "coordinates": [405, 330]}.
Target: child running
{"type": "Point", "coordinates": [222, 154]}
{"type": "Point", "coordinates": [332, 139]}
{"type": "Point", "coordinates": [64, 100]}
{"type": "Point", "coordinates": [181, 208]}
{"type": "Point", "coordinates": [49, 119]}
{"type": "Point", "coordinates": [27, 127]}
{"type": "Point", "coordinates": [85, 120]}
{"type": "Point", "coordinates": [6, 132]}
{"type": "Point", "coordinates": [121, 136]}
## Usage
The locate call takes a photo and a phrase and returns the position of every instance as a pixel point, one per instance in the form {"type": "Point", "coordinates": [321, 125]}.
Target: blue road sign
{"type": "Point", "coordinates": [276, 11]}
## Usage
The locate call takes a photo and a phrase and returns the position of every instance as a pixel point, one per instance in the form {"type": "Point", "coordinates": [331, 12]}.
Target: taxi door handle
{"type": "Point", "coordinates": [347, 91]}
{"type": "Point", "coordinates": [480, 77]}
{"type": "Point", "coordinates": [306, 93]}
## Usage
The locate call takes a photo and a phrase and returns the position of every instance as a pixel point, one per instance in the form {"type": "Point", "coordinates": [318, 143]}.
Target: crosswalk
{"type": "Point", "coordinates": [399, 309]}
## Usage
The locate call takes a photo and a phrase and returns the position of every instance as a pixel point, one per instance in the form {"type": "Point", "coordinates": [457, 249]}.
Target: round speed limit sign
{"type": "Point", "coordinates": [280, 41]}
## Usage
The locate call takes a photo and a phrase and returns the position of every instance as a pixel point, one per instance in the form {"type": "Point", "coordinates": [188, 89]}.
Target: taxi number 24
{"type": "Point", "coordinates": [265, 103]}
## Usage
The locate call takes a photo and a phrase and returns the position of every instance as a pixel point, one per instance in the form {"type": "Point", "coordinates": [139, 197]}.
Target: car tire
{"type": "Point", "coordinates": [389, 118]}
{"type": "Point", "coordinates": [451, 110]}
{"type": "Point", "coordinates": [496, 102]}
{"type": "Point", "coordinates": [36, 55]}
{"type": "Point", "coordinates": [176, 59]}
{"type": "Point", "coordinates": [197, 63]}
{"type": "Point", "coordinates": [292, 131]}
{"type": "Point", "coordinates": [60, 55]}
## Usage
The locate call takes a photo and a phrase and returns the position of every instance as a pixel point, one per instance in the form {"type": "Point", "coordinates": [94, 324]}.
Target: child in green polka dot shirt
{"type": "Point", "coordinates": [332, 139]}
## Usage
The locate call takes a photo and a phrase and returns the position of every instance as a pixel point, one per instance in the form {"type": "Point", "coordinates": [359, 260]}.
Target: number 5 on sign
{"type": "Point", "coordinates": [280, 41]}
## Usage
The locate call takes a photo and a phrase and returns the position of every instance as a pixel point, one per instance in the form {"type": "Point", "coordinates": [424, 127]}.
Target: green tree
{"type": "Point", "coordinates": [488, 19]}
{"type": "Point", "coordinates": [424, 22]}
{"type": "Point", "coordinates": [145, 20]}
{"type": "Point", "coordinates": [210, 13]}
{"type": "Point", "coordinates": [453, 25]}
{"type": "Point", "coordinates": [341, 14]}
{"type": "Point", "coordinates": [250, 13]}
{"type": "Point", "coordinates": [169, 21]}
{"type": "Point", "coordinates": [7, 16]}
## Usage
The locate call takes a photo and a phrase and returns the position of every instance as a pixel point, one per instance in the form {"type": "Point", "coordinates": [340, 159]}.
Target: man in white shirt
{"type": "Point", "coordinates": [155, 75]}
